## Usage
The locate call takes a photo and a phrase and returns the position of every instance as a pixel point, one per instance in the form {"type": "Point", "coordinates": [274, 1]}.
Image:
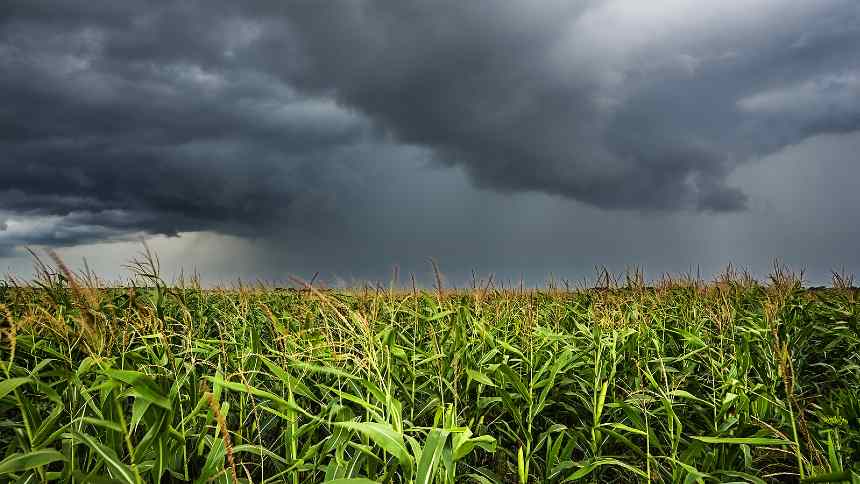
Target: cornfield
{"type": "Point", "coordinates": [729, 381]}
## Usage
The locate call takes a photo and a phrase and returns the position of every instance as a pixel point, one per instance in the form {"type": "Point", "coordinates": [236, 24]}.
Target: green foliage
{"type": "Point", "coordinates": [731, 382]}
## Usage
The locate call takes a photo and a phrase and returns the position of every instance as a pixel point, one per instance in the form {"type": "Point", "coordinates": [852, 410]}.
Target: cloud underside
{"type": "Point", "coordinates": [253, 117]}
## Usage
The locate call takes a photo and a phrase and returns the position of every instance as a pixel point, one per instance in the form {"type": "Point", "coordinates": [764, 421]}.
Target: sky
{"type": "Point", "coordinates": [521, 138]}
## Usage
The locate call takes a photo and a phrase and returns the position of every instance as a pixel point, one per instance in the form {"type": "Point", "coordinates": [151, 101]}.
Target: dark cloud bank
{"type": "Point", "coordinates": [259, 118]}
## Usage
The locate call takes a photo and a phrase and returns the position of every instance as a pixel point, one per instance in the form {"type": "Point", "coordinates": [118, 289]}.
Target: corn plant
{"type": "Point", "coordinates": [733, 381]}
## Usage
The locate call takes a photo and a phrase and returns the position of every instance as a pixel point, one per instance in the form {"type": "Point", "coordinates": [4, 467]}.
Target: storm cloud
{"type": "Point", "coordinates": [619, 104]}
{"type": "Point", "coordinates": [259, 118]}
{"type": "Point", "coordinates": [140, 120]}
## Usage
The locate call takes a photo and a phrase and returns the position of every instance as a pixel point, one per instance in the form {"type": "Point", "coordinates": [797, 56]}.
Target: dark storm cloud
{"type": "Point", "coordinates": [145, 118]}
{"type": "Point", "coordinates": [610, 103]}
{"type": "Point", "coordinates": [247, 118]}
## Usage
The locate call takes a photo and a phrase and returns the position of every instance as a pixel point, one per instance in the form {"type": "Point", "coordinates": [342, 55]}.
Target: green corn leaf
{"type": "Point", "coordinates": [843, 476]}
{"type": "Point", "coordinates": [351, 480]}
{"type": "Point", "coordinates": [241, 387]}
{"type": "Point", "coordinates": [324, 370]}
{"type": "Point", "coordinates": [480, 377]}
{"type": "Point", "coordinates": [297, 386]}
{"type": "Point", "coordinates": [384, 436]}
{"type": "Point", "coordinates": [10, 384]}
{"type": "Point", "coordinates": [214, 461]}
{"type": "Point", "coordinates": [143, 386]}
{"type": "Point", "coordinates": [743, 475]}
{"type": "Point", "coordinates": [743, 440]}
{"type": "Point", "coordinates": [22, 462]}
{"type": "Point", "coordinates": [689, 396]}
{"type": "Point", "coordinates": [118, 469]}
{"type": "Point", "coordinates": [516, 381]}
{"type": "Point", "coordinates": [430, 455]}
{"type": "Point", "coordinates": [588, 468]}
{"type": "Point", "coordinates": [106, 424]}
{"type": "Point", "coordinates": [463, 443]}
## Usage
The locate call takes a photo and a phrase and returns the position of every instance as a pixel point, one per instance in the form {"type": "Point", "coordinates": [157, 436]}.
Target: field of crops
{"type": "Point", "coordinates": [682, 382]}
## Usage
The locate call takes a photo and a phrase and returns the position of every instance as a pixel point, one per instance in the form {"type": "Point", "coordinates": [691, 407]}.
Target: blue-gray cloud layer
{"type": "Point", "coordinates": [257, 117]}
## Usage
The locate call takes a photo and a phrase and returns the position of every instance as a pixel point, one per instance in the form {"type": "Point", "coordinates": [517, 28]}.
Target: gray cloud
{"type": "Point", "coordinates": [122, 119]}
{"type": "Point", "coordinates": [76, 229]}
{"type": "Point", "coordinates": [799, 211]}
{"type": "Point", "coordinates": [261, 118]}
{"type": "Point", "coordinates": [612, 103]}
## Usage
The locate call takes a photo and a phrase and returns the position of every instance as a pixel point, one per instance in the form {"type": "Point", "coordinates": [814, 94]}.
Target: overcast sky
{"type": "Point", "coordinates": [258, 139]}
